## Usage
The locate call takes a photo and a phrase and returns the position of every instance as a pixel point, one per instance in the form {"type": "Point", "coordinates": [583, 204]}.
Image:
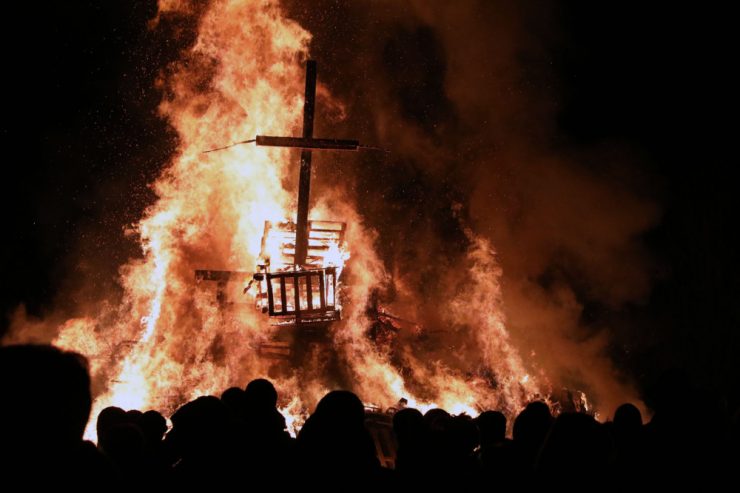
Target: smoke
{"type": "Point", "coordinates": [466, 95]}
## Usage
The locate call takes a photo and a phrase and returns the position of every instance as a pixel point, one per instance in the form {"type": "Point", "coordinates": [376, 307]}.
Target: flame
{"type": "Point", "coordinates": [166, 342]}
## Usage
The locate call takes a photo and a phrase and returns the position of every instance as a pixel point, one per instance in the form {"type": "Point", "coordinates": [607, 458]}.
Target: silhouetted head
{"type": "Point", "coordinates": [463, 435]}
{"type": "Point", "coordinates": [334, 441]}
{"type": "Point", "coordinates": [341, 407]}
{"type": "Point", "coordinates": [46, 395]}
{"type": "Point", "coordinates": [110, 416]}
{"type": "Point", "coordinates": [492, 427]}
{"type": "Point", "coordinates": [532, 425]}
{"type": "Point", "coordinates": [153, 425]}
{"type": "Point", "coordinates": [437, 419]}
{"type": "Point", "coordinates": [134, 416]}
{"type": "Point", "coordinates": [107, 419]}
{"type": "Point", "coordinates": [627, 417]}
{"type": "Point", "coordinates": [204, 409]}
{"type": "Point", "coordinates": [408, 425]}
{"type": "Point", "coordinates": [235, 400]}
{"type": "Point", "coordinates": [201, 425]}
{"type": "Point", "coordinates": [261, 393]}
{"type": "Point", "coordinates": [540, 409]}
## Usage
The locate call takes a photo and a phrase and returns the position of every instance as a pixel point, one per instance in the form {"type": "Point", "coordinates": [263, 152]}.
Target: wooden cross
{"type": "Point", "coordinates": [308, 144]}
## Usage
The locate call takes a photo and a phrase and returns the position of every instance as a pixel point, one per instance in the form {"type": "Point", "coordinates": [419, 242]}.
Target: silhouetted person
{"type": "Point", "coordinates": [261, 393]}
{"type": "Point", "coordinates": [46, 405]}
{"type": "Point", "coordinates": [108, 418]}
{"type": "Point", "coordinates": [125, 447]}
{"type": "Point", "coordinates": [134, 416]}
{"type": "Point", "coordinates": [576, 447]}
{"type": "Point", "coordinates": [202, 437]}
{"type": "Point", "coordinates": [334, 447]}
{"type": "Point", "coordinates": [492, 428]}
{"type": "Point", "coordinates": [122, 440]}
{"type": "Point", "coordinates": [236, 401]}
{"type": "Point", "coordinates": [495, 454]}
{"type": "Point", "coordinates": [530, 429]}
{"type": "Point", "coordinates": [462, 440]}
{"type": "Point", "coordinates": [260, 401]}
{"type": "Point", "coordinates": [413, 452]}
{"type": "Point", "coordinates": [443, 459]}
{"type": "Point", "coordinates": [628, 419]}
{"type": "Point", "coordinates": [267, 444]}
{"type": "Point", "coordinates": [436, 419]}
{"type": "Point", "coordinates": [628, 439]}
{"type": "Point", "coordinates": [153, 426]}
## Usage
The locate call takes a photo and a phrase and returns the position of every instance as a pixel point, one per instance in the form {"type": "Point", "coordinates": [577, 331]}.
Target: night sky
{"type": "Point", "coordinates": [82, 141]}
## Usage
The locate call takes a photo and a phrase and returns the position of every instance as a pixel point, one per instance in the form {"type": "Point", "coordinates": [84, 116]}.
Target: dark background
{"type": "Point", "coordinates": [82, 140]}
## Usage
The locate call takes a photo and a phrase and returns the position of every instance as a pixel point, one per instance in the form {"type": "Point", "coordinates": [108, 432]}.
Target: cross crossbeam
{"type": "Point", "coordinates": [308, 143]}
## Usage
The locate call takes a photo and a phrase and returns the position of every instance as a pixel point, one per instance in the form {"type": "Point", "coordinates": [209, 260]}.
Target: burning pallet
{"type": "Point", "coordinates": [291, 295]}
{"type": "Point", "coordinates": [300, 295]}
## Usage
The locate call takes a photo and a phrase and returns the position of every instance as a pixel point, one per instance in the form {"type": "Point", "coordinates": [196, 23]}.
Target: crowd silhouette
{"type": "Point", "coordinates": [239, 440]}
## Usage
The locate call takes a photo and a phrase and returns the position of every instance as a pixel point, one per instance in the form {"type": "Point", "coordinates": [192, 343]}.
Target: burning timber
{"type": "Point", "coordinates": [296, 282]}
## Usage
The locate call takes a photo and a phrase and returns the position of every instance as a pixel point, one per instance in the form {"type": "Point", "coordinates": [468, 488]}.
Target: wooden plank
{"type": "Point", "coordinates": [321, 290]}
{"type": "Point", "coordinates": [282, 295]}
{"type": "Point", "coordinates": [270, 297]}
{"type": "Point", "coordinates": [297, 305]}
{"type": "Point", "coordinates": [309, 143]}
{"type": "Point", "coordinates": [309, 293]}
{"type": "Point", "coordinates": [304, 179]}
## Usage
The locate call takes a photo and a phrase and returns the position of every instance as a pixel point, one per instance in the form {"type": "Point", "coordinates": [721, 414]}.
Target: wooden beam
{"type": "Point", "coordinates": [304, 180]}
{"type": "Point", "coordinates": [308, 143]}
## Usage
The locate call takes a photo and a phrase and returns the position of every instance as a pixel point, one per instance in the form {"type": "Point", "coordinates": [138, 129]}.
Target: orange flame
{"type": "Point", "coordinates": [167, 342]}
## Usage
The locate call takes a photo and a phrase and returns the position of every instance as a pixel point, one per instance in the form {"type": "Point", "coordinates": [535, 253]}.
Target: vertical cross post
{"type": "Point", "coordinates": [304, 181]}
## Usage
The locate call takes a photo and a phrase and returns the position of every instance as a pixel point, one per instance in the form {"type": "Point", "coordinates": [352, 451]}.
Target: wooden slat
{"type": "Point", "coordinates": [282, 295]}
{"type": "Point", "coordinates": [270, 297]}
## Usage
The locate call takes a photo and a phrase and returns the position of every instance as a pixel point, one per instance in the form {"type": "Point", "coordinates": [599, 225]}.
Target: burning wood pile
{"type": "Point", "coordinates": [228, 217]}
